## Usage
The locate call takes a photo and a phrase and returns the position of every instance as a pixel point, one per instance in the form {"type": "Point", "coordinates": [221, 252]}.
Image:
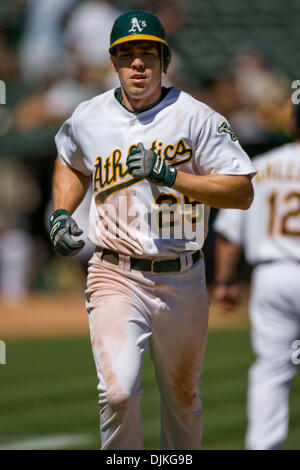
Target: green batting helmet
{"type": "Point", "coordinates": [140, 25]}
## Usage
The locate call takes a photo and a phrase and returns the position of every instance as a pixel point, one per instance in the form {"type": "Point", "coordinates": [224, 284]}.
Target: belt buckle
{"type": "Point", "coordinates": [152, 266]}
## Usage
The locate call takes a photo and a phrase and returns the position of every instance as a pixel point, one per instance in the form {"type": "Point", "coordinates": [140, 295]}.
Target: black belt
{"type": "Point", "coordinates": [149, 265]}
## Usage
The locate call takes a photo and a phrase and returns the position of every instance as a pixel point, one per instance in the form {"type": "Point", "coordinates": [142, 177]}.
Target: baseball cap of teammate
{"type": "Point", "coordinates": [140, 25]}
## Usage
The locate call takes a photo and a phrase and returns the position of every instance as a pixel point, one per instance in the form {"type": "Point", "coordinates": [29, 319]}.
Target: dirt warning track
{"type": "Point", "coordinates": [62, 314]}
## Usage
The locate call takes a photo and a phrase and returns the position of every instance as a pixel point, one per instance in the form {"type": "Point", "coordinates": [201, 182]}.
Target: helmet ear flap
{"type": "Point", "coordinates": [165, 57]}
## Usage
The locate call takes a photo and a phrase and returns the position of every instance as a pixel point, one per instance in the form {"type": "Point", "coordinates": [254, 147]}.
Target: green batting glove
{"type": "Point", "coordinates": [62, 230]}
{"type": "Point", "coordinates": [144, 163]}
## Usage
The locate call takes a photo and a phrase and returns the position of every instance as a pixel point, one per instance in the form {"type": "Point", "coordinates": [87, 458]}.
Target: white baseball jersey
{"type": "Point", "coordinates": [270, 229]}
{"type": "Point", "coordinates": [125, 214]}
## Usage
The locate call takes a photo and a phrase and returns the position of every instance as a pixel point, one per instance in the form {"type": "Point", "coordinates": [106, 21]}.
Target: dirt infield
{"type": "Point", "coordinates": [48, 314]}
{"type": "Point", "coordinates": [44, 315]}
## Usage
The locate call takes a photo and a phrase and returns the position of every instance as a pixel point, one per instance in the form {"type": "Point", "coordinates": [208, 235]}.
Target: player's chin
{"type": "Point", "coordinates": [138, 87]}
{"type": "Point", "coordinates": [137, 91]}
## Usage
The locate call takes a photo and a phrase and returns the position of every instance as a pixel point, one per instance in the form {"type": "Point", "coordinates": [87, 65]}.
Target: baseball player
{"type": "Point", "coordinates": [158, 159]}
{"type": "Point", "coordinates": [269, 232]}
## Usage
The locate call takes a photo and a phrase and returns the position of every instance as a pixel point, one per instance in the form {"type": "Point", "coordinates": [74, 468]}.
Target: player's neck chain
{"type": "Point", "coordinates": [119, 98]}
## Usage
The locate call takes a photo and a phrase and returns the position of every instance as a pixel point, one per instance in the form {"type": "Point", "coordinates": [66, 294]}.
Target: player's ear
{"type": "Point", "coordinates": [113, 63]}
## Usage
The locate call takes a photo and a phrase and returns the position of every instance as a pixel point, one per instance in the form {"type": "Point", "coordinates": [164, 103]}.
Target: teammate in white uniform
{"type": "Point", "coordinates": [269, 232]}
{"type": "Point", "coordinates": [147, 148]}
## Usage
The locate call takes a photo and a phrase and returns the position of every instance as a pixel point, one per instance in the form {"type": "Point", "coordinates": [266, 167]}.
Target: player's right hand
{"type": "Point", "coordinates": [62, 230]}
{"type": "Point", "coordinates": [226, 297]}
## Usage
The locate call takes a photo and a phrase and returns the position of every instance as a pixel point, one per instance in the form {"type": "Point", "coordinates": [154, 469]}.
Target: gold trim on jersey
{"type": "Point", "coordinates": [101, 196]}
{"type": "Point", "coordinates": [112, 167]}
{"type": "Point", "coordinates": [179, 149]}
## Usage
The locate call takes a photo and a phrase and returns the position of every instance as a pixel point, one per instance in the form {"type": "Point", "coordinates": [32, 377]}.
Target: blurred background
{"type": "Point", "coordinates": [240, 58]}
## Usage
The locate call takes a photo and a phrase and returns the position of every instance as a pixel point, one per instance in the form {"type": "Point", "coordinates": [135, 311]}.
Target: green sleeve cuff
{"type": "Point", "coordinates": [57, 213]}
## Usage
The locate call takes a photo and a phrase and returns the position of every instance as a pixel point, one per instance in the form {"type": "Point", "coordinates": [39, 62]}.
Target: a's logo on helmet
{"type": "Point", "coordinates": [137, 25]}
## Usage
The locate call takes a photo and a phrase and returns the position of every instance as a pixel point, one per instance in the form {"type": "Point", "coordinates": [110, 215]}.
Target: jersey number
{"type": "Point", "coordinates": [192, 213]}
{"type": "Point", "coordinates": [167, 218]}
{"type": "Point", "coordinates": [284, 219]}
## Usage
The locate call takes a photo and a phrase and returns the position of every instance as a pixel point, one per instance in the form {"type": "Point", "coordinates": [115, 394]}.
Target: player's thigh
{"type": "Point", "coordinates": [180, 334]}
{"type": "Point", "coordinates": [119, 335]}
{"type": "Point", "coordinates": [274, 310]}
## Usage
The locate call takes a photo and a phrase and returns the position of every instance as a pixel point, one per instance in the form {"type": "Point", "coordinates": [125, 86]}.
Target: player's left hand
{"type": "Point", "coordinates": [144, 163]}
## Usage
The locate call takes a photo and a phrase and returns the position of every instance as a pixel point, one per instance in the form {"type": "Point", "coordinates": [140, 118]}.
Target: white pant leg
{"type": "Point", "coordinates": [275, 317]}
{"type": "Point", "coordinates": [119, 335]}
{"type": "Point", "coordinates": [125, 310]}
{"type": "Point", "coordinates": [178, 342]}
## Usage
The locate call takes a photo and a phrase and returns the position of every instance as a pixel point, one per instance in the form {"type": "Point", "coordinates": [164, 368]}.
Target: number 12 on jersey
{"type": "Point", "coordinates": [284, 214]}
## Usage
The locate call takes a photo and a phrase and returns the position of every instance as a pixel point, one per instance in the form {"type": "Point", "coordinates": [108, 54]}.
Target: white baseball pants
{"type": "Point", "coordinates": [129, 310]}
{"type": "Point", "coordinates": [275, 317]}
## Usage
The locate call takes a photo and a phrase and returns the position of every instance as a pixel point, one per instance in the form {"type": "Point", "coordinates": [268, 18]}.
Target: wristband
{"type": "Point", "coordinates": [57, 213]}
{"type": "Point", "coordinates": [170, 176]}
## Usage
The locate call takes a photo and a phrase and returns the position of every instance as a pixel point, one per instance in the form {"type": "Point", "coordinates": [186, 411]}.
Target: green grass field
{"type": "Point", "coordinates": [48, 390]}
